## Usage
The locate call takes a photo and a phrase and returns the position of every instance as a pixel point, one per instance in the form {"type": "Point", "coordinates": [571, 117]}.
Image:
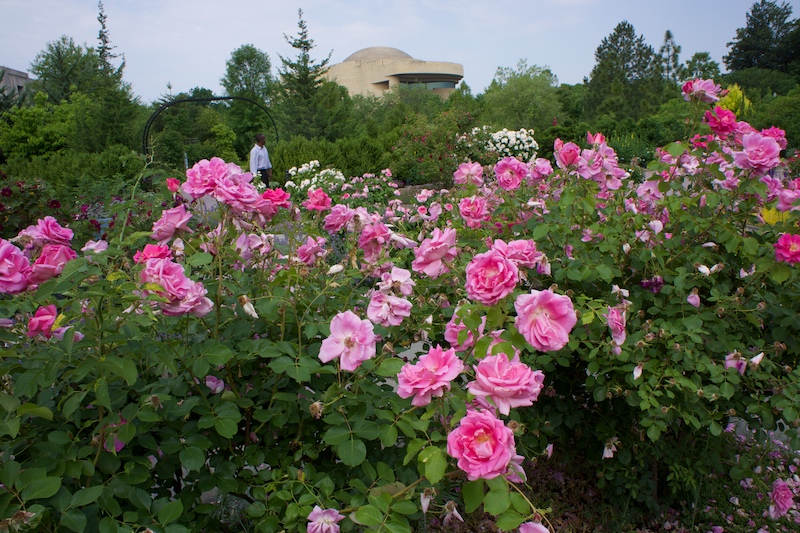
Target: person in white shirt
{"type": "Point", "coordinates": [260, 164]}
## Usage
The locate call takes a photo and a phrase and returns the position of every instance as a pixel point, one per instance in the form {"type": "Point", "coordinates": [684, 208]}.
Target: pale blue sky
{"type": "Point", "coordinates": [186, 43]}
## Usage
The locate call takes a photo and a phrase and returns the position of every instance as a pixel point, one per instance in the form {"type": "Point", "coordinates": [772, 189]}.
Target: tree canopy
{"type": "Point", "coordinates": [770, 39]}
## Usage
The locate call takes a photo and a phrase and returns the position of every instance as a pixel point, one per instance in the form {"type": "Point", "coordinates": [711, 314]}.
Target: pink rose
{"type": "Point", "coordinates": [373, 239]}
{"type": "Point", "coordinates": [735, 360]}
{"type": "Point", "coordinates": [194, 302]}
{"type": "Point", "coordinates": [567, 155]}
{"type": "Point", "coordinates": [787, 249]}
{"type": "Point", "coordinates": [237, 191]}
{"type": "Point", "coordinates": [15, 269]}
{"type": "Point", "coordinates": [701, 90]}
{"type": "Point", "coordinates": [759, 153]}
{"type": "Point", "coordinates": [338, 218]}
{"type": "Point", "coordinates": [204, 176]}
{"type": "Point", "coordinates": [42, 321]}
{"type": "Point", "coordinates": [468, 173]}
{"type": "Point", "coordinates": [53, 233]}
{"type": "Point", "coordinates": [778, 134]}
{"type": "Point", "coordinates": [453, 330]}
{"type": "Point", "coordinates": [508, 383]}
{"type": "Point", "coordinates": [352, 341]}
{"type": "Point", "coordinates": [490, 277]}
{"type": "Point", "coordinates": [431, 254]}
{"type": "Point", "coordinates": [522, 253]}
{"type": "Point", "coordinates": [782, 499]}
{"type": "Point", "coordinates": [317, 200]}
{"type": "Point", "coordinates": [788, 200]}
{"type": "Point", "coordinates": [151, 251]}
{"type": "Point", "coordinates": [173, 184]}
{"type": "Point", "coordinates": [541, 168]}
{"type": "Point", "coordinates": [616, 323]}
{"type": "Point", "coordinates": [482, 444]}
{"type": "Point", "coordinates": [169, 275]}
{"type": "Point", "coordinates": [170, 222]}
{"type": "Point", "coordinates": [51, 262]}
{"type": "Point", "coordinates": [313, 249]}
{"type": "Point", "coordinates": [397, 281]}
{"type": "Point", "coordinates": [215, 384]}
{"type": "Point", "coordinates": [429, 376]}
{"type": "Point", "coordinates": [474, 210]}
{"type": "Point", "coordinates": [278, 197]}
{"type": "Point", "coordinates": [323, 520]}
{"type": "Point", "coordinates": [387, 309]}
{"type": "Point", "coordinates": [95, 246]}
{"type": "Point", "coordinates": [533, 527]}
{"type": "Point", "coordinates": [721, 121]}
{"type": "Point", "coordinates": [510, 172]}
{"type": "Point", "coordinates": [693, 299]}
{"type": "Point", "coordinates": [545, 319]}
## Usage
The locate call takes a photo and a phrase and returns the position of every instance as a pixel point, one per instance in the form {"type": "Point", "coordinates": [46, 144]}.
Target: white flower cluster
{"type": "Point", "coordinates": [310, 176]}
{"type": "Point", "coordinates": [519, 144]}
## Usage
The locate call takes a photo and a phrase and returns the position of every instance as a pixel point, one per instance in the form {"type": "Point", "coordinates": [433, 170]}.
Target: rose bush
{"type": "Point", "coordinates": [232, 368]}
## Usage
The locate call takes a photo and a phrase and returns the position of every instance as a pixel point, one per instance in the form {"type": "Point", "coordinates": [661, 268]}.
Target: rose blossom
{"type": "Point", "coordinates": [533, 527]}
{"type": "Point", "coordinates": [48, 231]}
{"type": "Point", "coordinates": [721, 121]}
{"type": "Point", "coordinates": [510, 172]}
{"type": "Point", "coordinates": [42, 321]}
{"type": "Point", "coordinates": [317, 200]}
{"type": "Point", "coordinates": [95, 246]}
{"type": "Point", "coordinates": [509, 383]}
{"type": "Point", "coordinates": [398, 281]}
{"type": "Point", "coordinates": [173, 184]}
{"type": "Point", "coordinates": [215, 384]}
{"type": "Point", "coordinates": [454, 328]}
{"type": "Point", "coordinates": [541, 168]}
{"type": "Point", "coordinates": [372, 240]}
{"type": "Point", "coordinates": [468, 173]}
{"type": "Point", "coordinates": [616, 323]}
{"type": "Point", "coordinates": [151, 251]}
{"type": "Point", "coordinates": [490, 277]}
{"type": "Point", "coordinates": [313, 249]}
{"type": "Point", "coordinates": [787, 249]}
{"type": "Point", "coordinates": [183, 294]}
{"type": "Point", "coordinates": [15, 268]}
{"type": "Point", "coordinates": [474, 210]}
{"type": "Point", "coordinates": [431, 254]}
{"type": "Point", "coordinates": [387, 309]}
{"type": "Point", "coordinates": [171, 221]}
{"type": "Point", "coordinates": [338, 218]}
{"type": "Point", "coordinates": [51, 262]}
{"type": "Point", "coordinates": [703, 90]}
{"type": "Point", "coordinates": [430, 376]}
{"type": "Point", "coordinates": [521, 252]}
{"type": "Point", "coordinates": [482, 444]}
{"type": "Point", "coordinates": [782, 499]}
{"type": "Point", "coordinates": [567, 155]}
{"type": "Point", "coordinates": [194, 302]}
{"type": "Point", "coordinates": [545, 319]}
{"type": "Point", "coordinates": [735, 360]}
{"type": "Point", "coordinates": [759, 153]}
{"type": "Point", "coordinates": [323, 520]}
{"type": "Point", "coordinates": [352, 340]}
{"type": "Point", "coordinates": [204, 176]}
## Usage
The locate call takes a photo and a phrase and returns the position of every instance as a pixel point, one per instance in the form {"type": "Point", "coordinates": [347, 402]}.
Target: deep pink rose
{"type": "Point", "coordinates": [429, 376]}
{"type": "Point", "coordinates": [173, 184]}
{"type": "Point", "coordinates": [53, 233]}
{"type": "Point", "coordinates": [324, 520]}
{"type": "Point", "coordinates": [352, 341]}
{"type": "Point", "coordinates": [759, 153]}
{"type": "Point", "coordinates": [237, 191]}
{"type": "Point", "coordinates": [430, 256]}
{"type": "Point", "coordinates": [313, 249]}
{"type": "Point", "coordinates": [721, 121]}
{"type": "Point", "coordinates": [567, 155]}
{"type": "Point", "coordinates": [782, 499]}
{"type": "Point", "coordinates": [42, 321]}
{"type": "Point", "coordinates": [545, 319]}
{"type": "Point", "coordinates": [522, 252]}
{"type": "Point", "coordinates": [171, 221]}
{"type": "Point", "coordinates": [15, 269]}
{"type": "Point", "coordinates": [510, 172]}
{"type": "Point", "coordinates": [482, 444]}
{"type": "Point", "coordinates": [453, 329]}
{"type": "Point", "coordinates": [204, 176]}
{"type": "Point", "coordinates": [317, 200]}
{"type": "Point", "coordinates": [776, 133]}
{"type": "Point", "coordinates": [787, 249]}
{"type": "Point", "coordinates": [338, 218]}
{"type": "Point", "coordinates": [373, 239]}
{"type": "Point", "coordinates": [490, 277]}
{"type": "Point", "coordinates": [169, 275]}
{"type": "Point", "coordinates": [508, 383]}
{"type": "Point", "coordinates": [387, 309]}
{"type": "Point", "coordinates": [468, 173]}
{"type": "Point", "coordinates": [51, 262]}
{"type": "Point", "coordinates": [194, 302]}
{"type": "Point", "coordinates": [278, 197]}
{"type": "Point", "coordinates": [474, 210]}
{"type": "Point", "coordinates": [152, 251]}
{"type": "Point", "coordinates": [701, 90]}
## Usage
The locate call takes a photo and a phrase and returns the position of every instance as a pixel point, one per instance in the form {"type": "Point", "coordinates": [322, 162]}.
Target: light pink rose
{"type": "Point", "coordinates": [237, 191]}
{"type": "Point", "coordinates": [432, 253]}
{"type": "Point", "coordinates": [317, 200]}
{"type": "Point", "coordinates": [169, 275]}
{"type": "Point", "coordinates": [215, 384]}
{"type": "Point", "coordinates": [398, 281]}
{"type": "Point", "coordinates": [194, 302]}
{"type": "Point", "coordinates": [522, 252]}
{"type": "Point", "coordinates": [759, 153]}
{"type": "Point", "coordinates": [15, 269]}
{"type": "Point", "coordinates": [52, 232]}
{"type": "Point", "coordinates": [776, 133]}
{"type": "Point", "coordinates": [454, 328]}
{"type": "Point", "coordinates": [352, 341]}
{"type": "Point", "coordinates": [510, 172]}
{"type": "Point", "coordinates": [782, 499]}
{"type": "Point", "coordinates": [508, 383]}
{"type": "Point", "coordinates": [567, 155]}
{"type": "Point", "coordinates": [95, 246]}
{"type": "Point", "coordinates": [482, 444]}
{"type": "Point", "coordinates": [788, 200]}
{"type": "Point", "coordinates": [735, 360]}
{"type": "Point", "coordinates": [545, 319]}
{"type": "Point", "coordinates": [490, 277]}
{"type": "Point", "coordinates": [787, 249]}
{"type": "Point", "coordinates": [533, 527]}
{"type": "Point", "coordinates": [373, 239]}
{"type": "Point", "coordinates": [693, 299]}
{"type": "Point", "coordinates": [42, 321]}
{"type": "Point", "coordinates": [51, 262]}
{"type": "Point", "coordinates": [151, 251]}
{"type": "Point", "coordinates": [468, 173]}
{"type": "Point", "coordinates": [387, 309]}
{"type": "Point", "coordinates": [541, 168]}
{"type": "Point", "coordinates": [474, 210]}
{"type": "Point", "coordinates": [170, 222]}
{"type": "Point", "coordinates": [338, 218]}
{"type": "Point", "coordinates": [701, 90]}
{"type": "Point", "coordinates": [615, 317]}
{"type": "Point", "coordinates": [429, 376]}
{"type": "Point", "coordinates": [323, 520]}
{"type": "Point", "coordinates": [313, 249]}
{"type": "Point", "coordinates": [59, 333]}
{"type": "Point", "coordinates": [204, 176]}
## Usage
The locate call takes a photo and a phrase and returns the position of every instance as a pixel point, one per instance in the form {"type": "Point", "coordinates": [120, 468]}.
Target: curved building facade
{"type": "Point", "coordinates": [379, 68]}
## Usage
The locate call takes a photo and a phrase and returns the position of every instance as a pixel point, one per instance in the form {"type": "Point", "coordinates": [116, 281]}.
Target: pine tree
{"type": "Point", "coordinates": [761, 43]}
{"type": "Point", "coordinates": [671, 68]}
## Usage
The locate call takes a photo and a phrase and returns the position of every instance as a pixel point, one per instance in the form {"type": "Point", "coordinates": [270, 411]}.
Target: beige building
{"type": "Point", "coordinates": [372, 71]}
{"type": "Point", "coordinates": [13, 81]}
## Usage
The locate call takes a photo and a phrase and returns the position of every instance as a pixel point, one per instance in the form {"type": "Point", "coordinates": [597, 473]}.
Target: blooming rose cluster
{"type": "Point", "coordinates": [183, 295]}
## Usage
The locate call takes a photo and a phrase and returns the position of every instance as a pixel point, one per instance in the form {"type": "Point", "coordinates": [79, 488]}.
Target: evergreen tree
{"type": "Point", "coordinates": [700, 65]}
{"type": "Point", "coordinates": [671, 68]}
{"type": "Point", "coordinates": [763, 42]}
{"type": "Point", "coordinates": [63, 68]}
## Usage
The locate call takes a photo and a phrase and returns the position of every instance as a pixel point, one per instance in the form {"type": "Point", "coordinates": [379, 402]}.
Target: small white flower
{"type": "Point", "coordinates": [704, 270]}
{"type": "Point", "coordinates": [637, 372]}
{"type": "Point", "coordinates": [335, 269]}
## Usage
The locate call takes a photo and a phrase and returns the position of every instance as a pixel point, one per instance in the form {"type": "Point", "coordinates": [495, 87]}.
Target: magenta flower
{"type": "Point", "coordinates": [545, 319]}
{"type": "Point", "coordinates": [787, 249]}
{"type": "Point", "coordinates": [701, 90]}
{"type": "Point", "coordinates": [490, 277]}
{"type": "Point", "coordinates": [616, 323]}
{"type": "Point", "coordinates": [509, 383]}
{"type": "Point", "coordinates": [782, 499]}
{"type": "Point", "coordinates": [51, 262]}
{"type": "Point", "coordinates": [510, 172]}
{"type": "Point", "coordinates": [173, 184]}
{"type": "Point", "coordinates": [352, 341]}
{"type": "Point", "coordinates": [313, 249]}
{"type": "Point", "coordinates": [204, 176]}
{"type": "Point", "coordinates": [522, 252]}
{"type": "Point", "coordinates": [721, 121]}
{"type": "Point", "coordinates": [759, 153]}
{"type": "Point", "coordinates": [373, 239]}
{"type": "Point", "coordinates": [42, 321]}
{"type": "Point", "coordinates": [482, 444]}
{"type": "Point", "coordinates": [338, 218]}
{"type": "Point", "coordinates": [387, 309]}
{"type": "Point", "coordinates": [430, 376]}
{"type": "Point", "coordinates": [152, 251]}
{"type": "Point", "coordinates": [567, 155]}
{"type": "Point", "coordinates": [317, 200]}
{"type": "Point", "coordinates": [15, 268]}
{"type": "Point", "coordinates": [468, 173]}
{"type": "Point", "coordinates": [324, 520]}
{"type": "Point", "coordinates": [182, 294]}
{"type": "Point", "coordinates": [430, 256]}
{"type": "Point", "coordinates": [215, 384]}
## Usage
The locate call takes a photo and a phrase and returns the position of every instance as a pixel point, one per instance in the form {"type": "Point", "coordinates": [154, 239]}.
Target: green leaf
{"type": "Point", "coordinates": [8, 402]}
{"type": "Point", "coordinates": [435, 463]}
{"type": "Point", "coordinates": [170, 512]}
{"type": "Point", "coordinates": [653, 433]}
{"type": "Point", "coordinates": [41, 488]}
{"type": "Point", "coordinates": [337, 435]}
{"type": "Point", "coordinates": [369, 516]}
{"type": "Point", "coordinates": [413, 447]}
{"type": "Point", "coordinates": [192, 458]}
{"type": "Point", "coordinates": [541, 230]}
{"type": "Point", "coordinates": [35, 410]}
{"type": "Point", "coordinates": [226, 427]}
{"type": "Point", "coordinates": [200, 259]}
{"type": "Point", "coordinates": [473, 495]}
{"type": "Point", "coordinates": [366, 429]}
{"type": "Point", "coordinates": [509, 521]}
{"type": "Point", "coordinates": [101, 393]}
{"type": "Point", "coordinates": [405, 507]}
{"type": "Point", "coordinates": [780, 273]}
{"type": "Point", "coordinates": [10, 427]}
{"type": "Point", "coordinates": [352, 452]}
{"type": "Point", "coordinates": [496, 501]}
{"type": "Point", "coordinates": [86, 496]}
{"type": "Point", "coordinates": [73, 519]}
{"type": "Point", "coordinates": [388, 435]}
{"type": "Point", "coordinates": [217, 353]}
{"type": "Point", "coordinates": [390, 367]}
{"type": "Point", "coordinates": [727, 390]}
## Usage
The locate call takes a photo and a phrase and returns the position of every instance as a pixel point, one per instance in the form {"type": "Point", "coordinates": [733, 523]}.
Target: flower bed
{"type": "Point", "coordinates": [414, 372]}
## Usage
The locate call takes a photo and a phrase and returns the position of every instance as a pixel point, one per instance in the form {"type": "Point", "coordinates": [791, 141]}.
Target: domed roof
{"type": "Point", "coordinates": [376, 53]}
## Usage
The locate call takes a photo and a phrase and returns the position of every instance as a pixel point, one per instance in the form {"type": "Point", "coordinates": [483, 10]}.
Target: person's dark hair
{"type": "Point", "coordinates": [261, 137]}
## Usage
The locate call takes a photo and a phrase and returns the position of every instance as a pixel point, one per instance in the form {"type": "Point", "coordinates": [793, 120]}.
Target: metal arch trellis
{"type": "Point", "coordinates": [148, 125]}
